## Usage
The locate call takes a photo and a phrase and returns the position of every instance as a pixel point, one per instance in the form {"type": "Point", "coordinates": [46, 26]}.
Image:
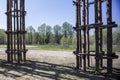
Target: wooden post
{"type": "Point", "coordinates": [84, 34]}
{"type": "Point", "coordinates": [8, 35]}
{"type": "Point", "coordinates": [109, 36]}
{"type": "Point", "coordinates": [96, 37]}
{"type": "Point", "coordinates": [78, 33]}
{"type": "Point", "coordinates": [87, 29]}
{"type": "Point", "coordinates": [100, 30]}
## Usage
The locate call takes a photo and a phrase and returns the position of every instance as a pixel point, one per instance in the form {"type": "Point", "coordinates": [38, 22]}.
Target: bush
{"type": "Point", "coordinates": [64, 42]}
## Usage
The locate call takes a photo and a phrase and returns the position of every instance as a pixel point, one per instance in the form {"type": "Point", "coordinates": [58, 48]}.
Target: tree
{"type": "Point", "coordinates": [104, 32]}
{"type": "Point", "coordinates": [36, 38]}
{"type": "Point", "coordinates": [2, 36]}
{"type": "Point", "coordinates": [116, 36]}
{"type": "Point", "coordinates": [42, 33]}
{"type": "Point", "coordinates": [57, 34]}
{"type": "Point", "coordinates": [64, 42]}
{"type": "Point", "coordinates": [68, 33]}
{"type": "Point", "coordinates": [30, 34]}
{"type": "Point", "coordinates": [48, 34]}
{"type": "Point", "coordinates": [67, 29]}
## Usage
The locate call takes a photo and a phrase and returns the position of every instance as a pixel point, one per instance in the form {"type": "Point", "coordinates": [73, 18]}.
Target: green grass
{"type": "Point", "coordinates": [116, 48]}
{"type": "Point", "coordinates": [45, 47]}
{"type": "Point", "coordinates": [59, 48]}
{"type": "Point", "coordinates": [49, 47]}
{"type": "Point", "coordinates": [3, 46]}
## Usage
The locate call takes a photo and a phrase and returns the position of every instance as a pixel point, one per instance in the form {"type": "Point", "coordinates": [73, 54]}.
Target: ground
{"type": "Point", "coordinates": [48, 65]}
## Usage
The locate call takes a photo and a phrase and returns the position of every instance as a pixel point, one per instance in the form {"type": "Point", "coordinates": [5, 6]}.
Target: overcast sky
{"type": "Point", "coordinates": [54, 12]}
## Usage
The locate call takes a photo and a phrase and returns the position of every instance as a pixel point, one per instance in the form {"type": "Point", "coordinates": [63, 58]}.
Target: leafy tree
{"type": "Point", "coordinates": [48, 34]}
{"type": "Point", "coordinates": [42, 33]}
{"type": "Point", "coordinates": [30, 34]}
{"type": "Point", "coordinates": [116, 36]}
{"type": "Point", "coordinates": [74, 40]}
{"type": "Point", "coordinates": [64, 42]}
{"type": "Point", "coordinates": [104, 34]}
{"type": "Point", "coordinates": [69, 40]}
{"type": "Point", "coordinates": [57, 34]}
{"type": "Point", "coordinates": [67, 29]}
{"type": "Point", "coordinates": [68, 33]}
{"type": "Point", "coordinates": [36, 38]}
{"type": "Point", "coordinates": [2, 36]}
{"type": "Point", "coordinates": [92, 39]}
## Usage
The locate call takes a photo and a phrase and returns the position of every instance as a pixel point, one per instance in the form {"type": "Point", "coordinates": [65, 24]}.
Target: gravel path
{"type": "Point", "coordinates": [46, 65]}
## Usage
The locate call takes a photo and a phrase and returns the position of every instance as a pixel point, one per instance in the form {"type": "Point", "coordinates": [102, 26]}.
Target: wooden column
{"type": "Point", "coordinates": [87, 30]}
{"type": "Point", "coordinates": [109, 36]}
{"type": "Point", "coordinates": [100, 30]}
{"type": "Point", "coordinates": [78, 34]}
{"type": "Point", "coordinates": [96, 37]}
{"type": "Point", "coordinates": [84, 33]}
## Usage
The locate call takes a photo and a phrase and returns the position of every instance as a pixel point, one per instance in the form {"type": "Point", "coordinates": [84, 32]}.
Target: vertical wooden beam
{"type": "Point", "coordinates": [87, 30]}
{"type": "Point", "coordinates": [77, 3]}
{"type": "Point", "coordinates": [80, 35]}
{"type": "Point", "coordinates": [100, 29]}
{"type": "Point", "coordinates": [14, 31]}
{"type": "Point", "coordinates": [96, 36]}
{"type": "Point", "coordinates": [23, 29]}
{"type": "Point", "coordinates": [18, 39]}
{"type": "Point", "coordinates": [11, 31]}
{"type": "Point", "coordinates": [21, 34]}
{"type": "Point", "coordinates": [8, 35]}
{"type": "Point", "coordinates": [84, 45]}
{"type": "Point", "coordinates": [109, 36]}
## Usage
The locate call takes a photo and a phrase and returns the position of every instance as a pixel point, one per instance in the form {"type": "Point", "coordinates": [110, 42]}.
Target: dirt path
{"type": "Point", "coordinates": [45, 65]}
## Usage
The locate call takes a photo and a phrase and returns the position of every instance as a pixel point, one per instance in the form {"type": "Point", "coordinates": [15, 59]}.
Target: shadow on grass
{"type": "Point", "coordinates": [47, 70]}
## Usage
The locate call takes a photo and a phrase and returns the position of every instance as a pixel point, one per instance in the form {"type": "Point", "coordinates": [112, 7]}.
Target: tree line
{"type": "Point", "coordinates": [45, 34]}
{"type": "Point", "coordinates": [59, 35]}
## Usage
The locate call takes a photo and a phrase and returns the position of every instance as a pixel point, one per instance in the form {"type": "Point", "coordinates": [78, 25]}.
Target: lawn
{"type": "Point", "coordinates": [49, 47]}
{"type": "Point", "coordinates": [46, 47]}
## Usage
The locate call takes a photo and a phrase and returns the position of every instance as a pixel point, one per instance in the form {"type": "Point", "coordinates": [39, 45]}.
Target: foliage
{"type": "Point", "coordinates": [67, 29]}
{"type": "Point", "coordinates": [2, 36]}
{"type": "Point", "coordinates": [57, 34]}
{"type": "Point", "coordinates": [64, 42]}
{"type": "Point", "coordinates": [45, 34]}
{"type": "Point", "coordinates": [30, 35]}
{"type": "Point", "coordinates": [61, 36]}
{"type": "Point", "coordinates": [36, 38]}
{"type": "Point", "coordinates": [42, 30]}
{"type": "Point", "coordinates": [48, 34]}
{"type": "Point", "coordinates": [116, 36]}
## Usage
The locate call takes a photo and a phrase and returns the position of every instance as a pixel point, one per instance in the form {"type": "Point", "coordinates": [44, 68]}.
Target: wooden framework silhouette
{"type": "Point", "coordinates": [83, 53]}
{"type": "Point", "coordinates": [16, 50]}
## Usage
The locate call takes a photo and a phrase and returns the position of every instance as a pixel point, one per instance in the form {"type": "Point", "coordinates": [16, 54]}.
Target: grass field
{"type": "Point", "coordinates": [60, 48]}
{"type": "Point", "coordinates": [45, 47]}
{"type": "Point", "coordinates": [49, 47]}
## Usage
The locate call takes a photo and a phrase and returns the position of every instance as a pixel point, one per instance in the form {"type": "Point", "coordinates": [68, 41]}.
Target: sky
{"type": "Point", "coordinates": [54, 12]}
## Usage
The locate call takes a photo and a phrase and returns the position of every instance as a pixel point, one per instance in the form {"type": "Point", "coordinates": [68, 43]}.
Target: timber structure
{"type": "Point", "coordinates": [83, 27]}
{"type": "Point", "coordinates": [16, 47]}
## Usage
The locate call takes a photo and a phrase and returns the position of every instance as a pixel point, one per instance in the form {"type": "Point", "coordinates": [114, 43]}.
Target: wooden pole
{"type": "Point", "coordinates": [96, 37]}
{"type": "Point", "coordinates": [109, 36]}
{"type": "Point", "coordinates": [84, 34]}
